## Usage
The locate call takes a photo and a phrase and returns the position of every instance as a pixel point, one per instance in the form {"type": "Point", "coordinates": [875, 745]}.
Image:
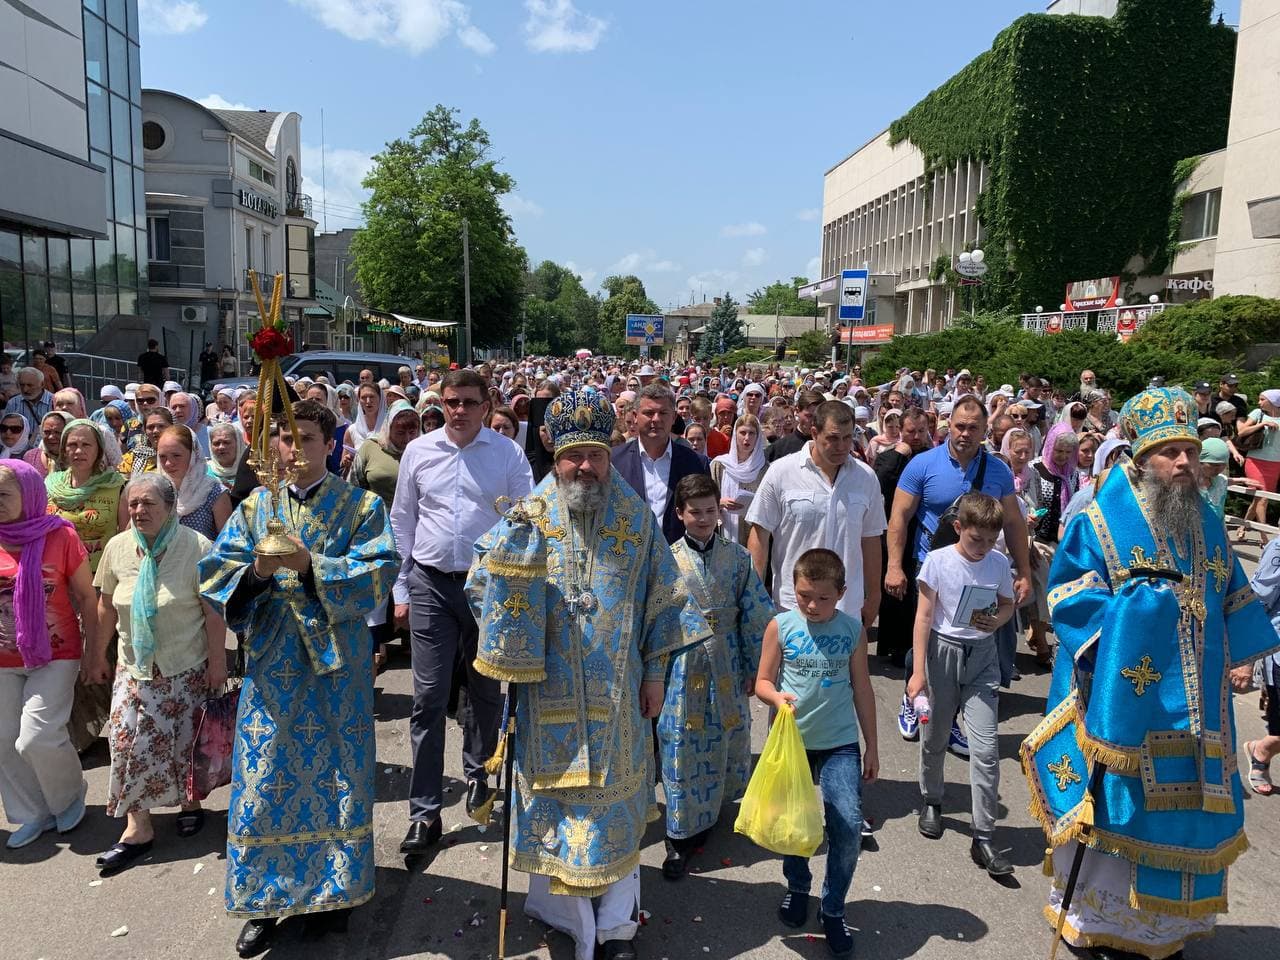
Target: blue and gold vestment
{"type": "Point", "coordinates": [1141, 683]}
{"type": "Point", "coordinates": [705, 725]}
{"type": "Point", "coordinates": [300, 824]}
{"type": "Point", "coordinates": [583, 752]}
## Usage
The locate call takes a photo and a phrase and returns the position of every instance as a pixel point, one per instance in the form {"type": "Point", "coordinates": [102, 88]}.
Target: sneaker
{"type": "Point", "coordinates": [839, 936]}
{"type": "Point", "coordinates": [70, 818]}
{"type": "Point", "coordinates": [794, 909]}
{"type": "Point", "coordinates": [908, 721]}
{"type": "Point", "coordinates": [29, 833]}
{"type": "Point", "coordinates": [958, 742]}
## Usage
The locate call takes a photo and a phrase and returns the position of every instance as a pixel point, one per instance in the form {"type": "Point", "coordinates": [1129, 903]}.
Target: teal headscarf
{"type": "Point", "coordinates": [143, 608]}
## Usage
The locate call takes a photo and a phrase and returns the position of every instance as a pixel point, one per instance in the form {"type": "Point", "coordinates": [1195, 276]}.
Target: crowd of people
{"type": "Point", "coordinates": [677, 540]}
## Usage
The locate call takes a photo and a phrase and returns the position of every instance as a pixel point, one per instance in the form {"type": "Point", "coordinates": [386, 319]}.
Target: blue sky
{"type": "Point", "coordinates": [684, 142]}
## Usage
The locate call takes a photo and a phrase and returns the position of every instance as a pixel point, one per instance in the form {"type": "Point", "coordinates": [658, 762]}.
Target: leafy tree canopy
{"type": "Point", "coordinates": [812, 346]}
{"type": "Point", "coordinates": [780, 298]}
{"type": "Point", "coordinates": [560, 316]}
{"type": "Point", "coordinates": [626, 295]}
{"type": "Point", "coordinates": [409, 254]}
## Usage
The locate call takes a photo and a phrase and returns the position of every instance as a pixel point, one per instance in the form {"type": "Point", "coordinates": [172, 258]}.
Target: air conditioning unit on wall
{"type": "Point", "coordinates": [196, 314]}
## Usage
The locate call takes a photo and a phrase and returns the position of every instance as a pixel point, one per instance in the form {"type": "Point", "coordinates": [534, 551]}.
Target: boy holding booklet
{"type": "Point", "coordinates": [957, 660]}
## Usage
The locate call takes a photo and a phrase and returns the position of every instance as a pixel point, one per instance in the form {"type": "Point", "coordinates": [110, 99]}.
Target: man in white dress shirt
{"type": "Point", "coordinates": [821, 496]}
{"type": "Point", "coordinates": [449, 480]}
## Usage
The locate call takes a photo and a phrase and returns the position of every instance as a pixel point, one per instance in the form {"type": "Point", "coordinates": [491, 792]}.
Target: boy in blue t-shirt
{"type": "Point", "coordinates": [814, 661]}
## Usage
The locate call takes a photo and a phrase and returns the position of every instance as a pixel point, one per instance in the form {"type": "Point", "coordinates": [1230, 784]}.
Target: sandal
{"type": "Point", "coordinates": [190, 822]}
{"type": "Point", "coordinates": [1259, 773]}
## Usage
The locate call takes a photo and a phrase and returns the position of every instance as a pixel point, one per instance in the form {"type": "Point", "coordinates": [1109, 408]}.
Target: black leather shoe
{"type": "Point", "coordinates": [122, 856]}
{"type": "Point", "coordinates": [422, 836]}
{"type": "Point", "coordinates": [930, 822]}
{"type": "Point", "coordinates": [989, 858]}
{"type": "Point", "coordinates": [255, 937]}
{"type": "Point", "coordinates": [618, 950]}
{"type": "Point", "coordinates": [478, 793]}
{"type": "Point", "coordinates": [677, 862]}
{"type": "Point", "coordinates": [1112, 953]}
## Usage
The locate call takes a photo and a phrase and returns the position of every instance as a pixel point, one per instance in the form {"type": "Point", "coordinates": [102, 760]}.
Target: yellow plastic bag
{"type": "Point", "coordinates": [780, 809]}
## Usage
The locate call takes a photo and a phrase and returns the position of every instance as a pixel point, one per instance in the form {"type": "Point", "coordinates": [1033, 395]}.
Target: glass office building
{"type": "Point", "coordinates": [71, 263]}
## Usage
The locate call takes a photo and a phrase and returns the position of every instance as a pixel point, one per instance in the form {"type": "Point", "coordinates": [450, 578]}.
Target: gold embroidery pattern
{"type": "Point", "coordinates": [517, 603]}
{"type": "Point", "coordinates": [620, 533]}
{"type": "Point", "coordinates": [1142, 675]}
{"type": "Point", "coordinates": [1063, 773]}
{"type": "Point", "coordinates": [1219, 569]}
{"type": "Point", "coordinates": [1092, 580]}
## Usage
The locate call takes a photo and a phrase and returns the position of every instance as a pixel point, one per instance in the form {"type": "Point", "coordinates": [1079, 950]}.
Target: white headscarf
{"type": "Point", "coordinates": [739, 474]}
{"type": "Point", "coordinates": [198, 484]}
{"type": "Point", "coordinates": [15, 450]}
{"type": "Point", "coordinates": [227, 475]}
{"type": "Point", "coordinates": [360, 431]}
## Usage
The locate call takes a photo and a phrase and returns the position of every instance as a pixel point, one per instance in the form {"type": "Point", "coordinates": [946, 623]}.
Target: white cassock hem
{"type": "Point", "coordinates": [611, 916]}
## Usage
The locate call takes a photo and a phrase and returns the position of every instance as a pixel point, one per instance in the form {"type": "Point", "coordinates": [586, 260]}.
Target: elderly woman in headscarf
{"type": "Point", "coordinates": [171, 655]}
{"type": "Point", "coordinates": [141, 457]}
{"type": "Point", "coordinates": [185, 408]}
{"type": "Point", "coordinates": [41, 783]}
{"type": "Point", "coordinates": [15, 436]}
{"type": "Point", "coordinates": [226, 447]}
{"type": "Point", "coordinates": [70, 400]}
{"type": "Point", "coordinates": [120, 420]}
{"type": "Point", "coordinates": [203, 504]}
{"type": "Point", "coordinates": [738, 474]}
{"type": "Point", "coordinates": [85, 489]}
{"type": "Point", "coordinates": [44, 455]}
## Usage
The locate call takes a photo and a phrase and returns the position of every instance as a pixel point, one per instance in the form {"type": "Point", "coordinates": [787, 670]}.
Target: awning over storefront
{"type": "Point", "coordinates": [426, 326]}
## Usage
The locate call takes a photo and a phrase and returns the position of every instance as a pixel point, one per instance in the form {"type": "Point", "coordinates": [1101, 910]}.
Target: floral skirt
{"type": "Point", "coordinates": [151, 730]}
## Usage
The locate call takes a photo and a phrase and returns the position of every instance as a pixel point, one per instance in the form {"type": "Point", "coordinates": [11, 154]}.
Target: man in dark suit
{"type": "Point", "coordinates": [654, 462]}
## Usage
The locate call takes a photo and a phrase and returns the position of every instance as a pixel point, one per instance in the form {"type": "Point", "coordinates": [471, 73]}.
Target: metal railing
{"type": "Point", "coordinates": [298, 205]}
{"type": "Point", "coordinates": [265, 282]}
{"type": "Point", "coordinates": [90, 373]}
{"type": "Point", "coordinates": [1266, 528]}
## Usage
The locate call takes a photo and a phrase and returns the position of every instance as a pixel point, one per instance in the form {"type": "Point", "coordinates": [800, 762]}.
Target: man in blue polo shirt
{"type": "Point", "coordinates": [931, 482]}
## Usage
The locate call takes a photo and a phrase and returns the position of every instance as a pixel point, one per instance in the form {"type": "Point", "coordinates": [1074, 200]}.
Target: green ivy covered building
{"type": "Point", "coordinates": [1062, 152]}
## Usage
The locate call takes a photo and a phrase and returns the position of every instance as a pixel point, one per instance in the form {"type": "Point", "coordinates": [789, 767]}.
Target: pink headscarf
{"type": "Point", "coordinates": [29, 533]}
{"type": "Point", "coordinates": [1067, 474]}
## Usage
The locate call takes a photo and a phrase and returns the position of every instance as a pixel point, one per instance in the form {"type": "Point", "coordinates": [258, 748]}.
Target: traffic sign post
{"type": "Point", "coordinates": [853, 302]}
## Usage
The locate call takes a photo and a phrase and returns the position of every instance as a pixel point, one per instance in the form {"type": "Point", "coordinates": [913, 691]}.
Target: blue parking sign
{"type": "Point", "coordinates": [853, 294]}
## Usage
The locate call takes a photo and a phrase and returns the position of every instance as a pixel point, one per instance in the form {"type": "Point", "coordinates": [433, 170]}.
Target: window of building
{"type": "Point", "coordinates": [266, 252]}
{"type": "Point", "coordinates": [248, 248]}
{"type": "Point", "coordinates": [152, 135]}
{"type": "Point", "coordinates": [158, 239]}
{"type": "Point", "coordinates": [1200, 216]}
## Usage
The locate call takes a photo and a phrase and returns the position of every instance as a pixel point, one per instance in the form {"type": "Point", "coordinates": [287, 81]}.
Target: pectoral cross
{"type": "Point", "coordinates": [621, 535]}
{"type": "Point", "coordinates": [1218, 568]}
{"type": "Point", "coordinates": [1141, 676]}
{"type": "Point", "coordinates": [1063, 773]}
{"type": "Point", "coordinates": [517, 603]}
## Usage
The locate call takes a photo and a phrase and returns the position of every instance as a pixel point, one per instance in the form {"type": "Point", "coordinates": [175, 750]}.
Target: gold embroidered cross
{"type": "Point", "coordinates": [257, 730]}
{"type": "Point", "coordinates": [517, 603]}
{"type": "Point", "coordinates": [309, 729]}
{"type": "Point", "coordinates": [286, 675]}
{"type": "Point", "coordinates": [620, 535]}
{"type": "Point", "coordinates": [1141, 676]}
{"type": "Point", "coordinates": [1063, 773]}
{"type": "Point", "coordinates": [276, 788]}
{"type": "Point", "coordinates": [548, 531]}
{"type": "Point", "coordinates": [1218, 568]}
{"type": "Point", "coordinates": [1140, 558]}
{"type": "Point", "coordinates": [333, 785]}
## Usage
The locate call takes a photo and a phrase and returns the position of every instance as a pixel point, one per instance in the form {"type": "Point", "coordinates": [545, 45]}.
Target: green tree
{"type": "Point", "coordinates": [409, 254]}
{"type": "Point", "coordinates": [724, 330]}
{"type": "Point", "coordinates": [626, 295]}
{"type": "Point", "coordinates": [560, 316]}
{"type": "Point", "coordinates": [812, 346]}
{"type": "Point", "coordinates": [781, 298]}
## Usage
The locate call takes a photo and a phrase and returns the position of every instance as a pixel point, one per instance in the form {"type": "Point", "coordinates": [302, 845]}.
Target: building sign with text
{"type": "Point", "coordinates": [259, 204]}
{"type": "Point", "coordinates": [1096, 294]}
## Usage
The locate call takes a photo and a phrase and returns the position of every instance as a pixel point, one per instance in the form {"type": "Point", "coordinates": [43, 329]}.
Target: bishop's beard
{"type": "Point", "coordinates": [584, 496]}
{"type": "Point", "coordinates": [1174, 508]}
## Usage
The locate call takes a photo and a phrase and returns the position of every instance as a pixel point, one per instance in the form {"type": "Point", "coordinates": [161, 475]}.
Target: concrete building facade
{"type": "Point", "coordinates": [223, 203]}
{"type": "Point", "coordinates": [72, 211]}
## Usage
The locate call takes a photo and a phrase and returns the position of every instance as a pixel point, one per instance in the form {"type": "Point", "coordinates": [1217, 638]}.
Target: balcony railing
{"type": "Point", "coordinates": [298, 205]}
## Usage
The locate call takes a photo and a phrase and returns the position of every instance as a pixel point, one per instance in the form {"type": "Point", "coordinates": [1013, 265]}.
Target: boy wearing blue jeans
{"type": "Point", "coordinates": [954, 655]}
{"type": "Point", "coordinates": [814, 662]}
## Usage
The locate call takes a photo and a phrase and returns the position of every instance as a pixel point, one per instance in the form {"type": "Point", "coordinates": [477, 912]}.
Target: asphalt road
{"type": "Point", "coordinates": [911, 897]}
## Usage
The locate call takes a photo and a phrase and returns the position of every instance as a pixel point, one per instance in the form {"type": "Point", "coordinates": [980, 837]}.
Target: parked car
{"type": "Point", "coordinates": [333, 364]}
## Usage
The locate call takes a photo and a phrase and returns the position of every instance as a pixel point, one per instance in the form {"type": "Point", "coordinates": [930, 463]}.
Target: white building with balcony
{"type": "Point", "coordinates": [224, 202]}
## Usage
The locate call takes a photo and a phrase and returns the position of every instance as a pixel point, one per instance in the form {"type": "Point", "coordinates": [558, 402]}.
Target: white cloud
{"type": "Point", "coordinates": [645, 261]}
{"type": "Point", "coordinates": [749, 229]}
{"type": "Point", "coordinates": [344, 170]}
{"type": "Point", "coordinates": [518, 206]}
{"type": "Point", "coordinates": [753, 257]}
{"type": "Point", "coordinates": [588, 276]}
{"type": "Point", "coordinates": [809, 213]}
{"type": "Point", "coordinates": [171, 16]}
{"type": "Point", "coordinates": [557, 26]}
{"type": "Point", "coordinates": [216, 101]}
{"type": "Point", "coordinates": [813, 269]}
{"type": "Point", "coordinates": [416, 25]}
